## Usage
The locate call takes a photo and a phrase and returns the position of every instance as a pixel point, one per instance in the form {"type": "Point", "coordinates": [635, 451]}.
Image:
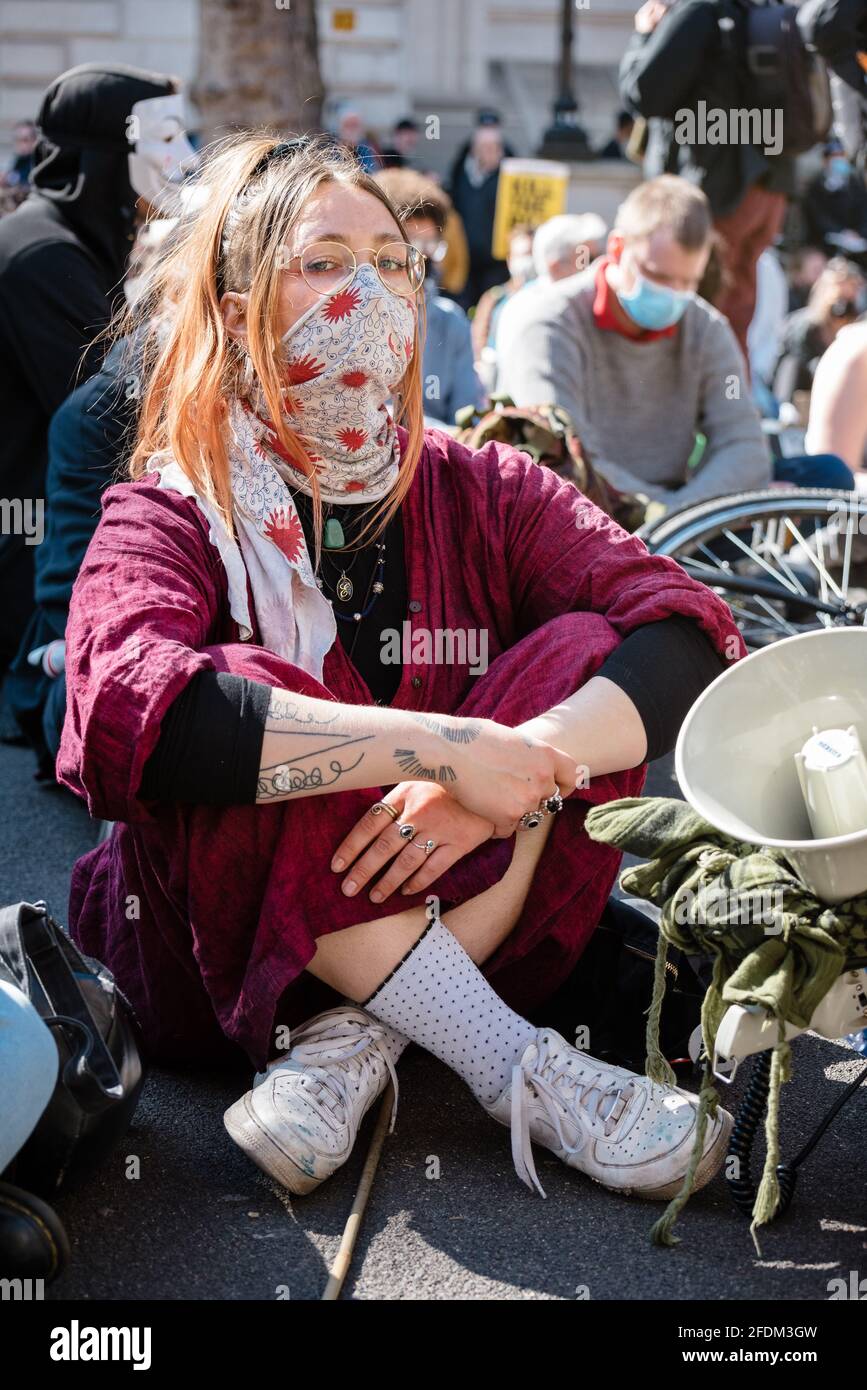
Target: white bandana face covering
{"type": "Point", "coordinates": [161, 148]}
{"type": "Point", "coordinates": [344, 358]}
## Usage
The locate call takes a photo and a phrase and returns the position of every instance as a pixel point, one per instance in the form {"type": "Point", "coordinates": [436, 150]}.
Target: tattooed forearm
{"type": "Point", "coordinates": [287, 709]}
{"type": "Point", "coordinates": [409, 763]}
{"type": "Point", "coordinates": [454, 733]}
{"type": "Point", "coordinates": [284, 779]}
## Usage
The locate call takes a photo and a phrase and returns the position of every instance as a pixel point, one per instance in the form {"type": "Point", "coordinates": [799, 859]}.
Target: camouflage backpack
{"type": "Point", "coordinates": [547, 434]}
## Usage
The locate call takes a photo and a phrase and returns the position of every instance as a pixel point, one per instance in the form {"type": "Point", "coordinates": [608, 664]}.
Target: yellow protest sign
{"type": "Point", "coordinates": [530, 190]}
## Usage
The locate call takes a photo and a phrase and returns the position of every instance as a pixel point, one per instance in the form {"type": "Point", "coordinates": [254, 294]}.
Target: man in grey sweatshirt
{"type": "Point", "coordinates": [651, 375]}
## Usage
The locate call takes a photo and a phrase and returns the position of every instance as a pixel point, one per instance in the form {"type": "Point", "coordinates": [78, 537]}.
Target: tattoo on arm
{"type": "Point", "coordinates": [288, 709]}
{"type": "Point", "coordinates": [283, 779]}
{"type": "Point", "coordinates": [453, 733]}
{"type": "Point", "coordinates": [290, 777]}
{"type": "Point", "coordinates": [415, 771]}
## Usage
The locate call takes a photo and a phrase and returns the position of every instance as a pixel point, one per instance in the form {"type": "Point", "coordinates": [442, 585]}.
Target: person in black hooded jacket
{"type": "Point", "coordinates": [63, 254]}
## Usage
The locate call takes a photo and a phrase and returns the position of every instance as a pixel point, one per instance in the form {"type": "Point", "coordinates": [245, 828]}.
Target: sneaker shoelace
{"type": "Point", "coordinates": [352, 1049]}
{"type": "Point", "coordinates": [562, 1096]}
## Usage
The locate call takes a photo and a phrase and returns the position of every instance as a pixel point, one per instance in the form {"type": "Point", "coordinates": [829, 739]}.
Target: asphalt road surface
{"type": "Point", "coordinates": [447, 1219]}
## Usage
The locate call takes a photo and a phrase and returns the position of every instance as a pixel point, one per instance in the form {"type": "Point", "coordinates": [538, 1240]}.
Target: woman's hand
{"type": "Point", "coordinates": [500, 773]}
{"type": "Point", "coordinates": [375, 842]}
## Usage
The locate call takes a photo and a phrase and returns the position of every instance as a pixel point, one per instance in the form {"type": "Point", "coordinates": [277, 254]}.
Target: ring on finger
{"type": "Point", "coordinates": [428, 846]}
{"type": "Point", "coordinates": [406, 831]}
{"type": "Point", "coordinates": [379, 806]}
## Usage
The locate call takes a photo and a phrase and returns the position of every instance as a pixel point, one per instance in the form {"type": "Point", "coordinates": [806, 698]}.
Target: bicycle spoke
{"type": "Point", "coordinates": [811, 557]}
{"type": "Point", "coordinates": [847, 557]}
{"type": "Point", "coordinates": [730, 535]}
{"type": "Point", "coordinates": [778, 617]}
{"type": "Point", "coordinates": [717, 562]}
{"type": "Point", "coordinates": [746, 613]}
{"type": "Point", "coordinates": [820, 547]}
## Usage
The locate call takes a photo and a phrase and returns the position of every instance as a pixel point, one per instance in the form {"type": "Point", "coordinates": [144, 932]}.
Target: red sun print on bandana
{"type": "Point", "coordinates": [341, 305]}
{"type": "Point", "coordinates": [285, 530]}
{"type": "Point", "coordinates": [353, 439]}
{"type": "Point", "coordinates": [344, 360]}
{"type": "Point", "coordinates": [302, 370]}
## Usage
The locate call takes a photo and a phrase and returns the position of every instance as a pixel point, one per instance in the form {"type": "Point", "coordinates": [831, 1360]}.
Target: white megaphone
{"type": "Point", "coordinates": [771, 753]}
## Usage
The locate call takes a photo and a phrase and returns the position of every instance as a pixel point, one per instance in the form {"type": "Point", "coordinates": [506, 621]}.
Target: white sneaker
{"type": "Point", "coordinates": [299, 1122]}
{"type": "Point", "coordinates": [623, 1130]}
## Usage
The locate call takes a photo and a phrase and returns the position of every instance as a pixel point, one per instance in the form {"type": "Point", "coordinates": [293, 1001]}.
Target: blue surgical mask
{"type": "Point", "coordinates": [654, 306]}
{"type": "Point", "coordinates": [840, 167]}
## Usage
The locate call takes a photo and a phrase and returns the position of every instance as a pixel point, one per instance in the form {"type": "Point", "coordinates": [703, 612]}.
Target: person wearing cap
{"type": "Point", "coordinates": [109, 136]}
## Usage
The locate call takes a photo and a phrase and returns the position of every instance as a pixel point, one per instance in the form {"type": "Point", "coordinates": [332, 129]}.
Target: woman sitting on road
{"type": "Point", "coordinates": [319, 664]}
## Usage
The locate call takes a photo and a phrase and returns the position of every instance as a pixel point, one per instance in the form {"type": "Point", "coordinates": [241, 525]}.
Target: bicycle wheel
{"type": "Point", "coordinates": [786, 561]}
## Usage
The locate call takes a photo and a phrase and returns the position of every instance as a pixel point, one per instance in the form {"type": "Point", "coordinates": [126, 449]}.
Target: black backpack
{"type": "Point", "coordinates": [100, 1072]}
{"type": "Point", "coordinates": [782, 72]}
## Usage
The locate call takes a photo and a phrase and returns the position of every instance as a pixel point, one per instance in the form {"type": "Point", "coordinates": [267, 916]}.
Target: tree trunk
{"type": "Point", "coordinates": [258, 65]}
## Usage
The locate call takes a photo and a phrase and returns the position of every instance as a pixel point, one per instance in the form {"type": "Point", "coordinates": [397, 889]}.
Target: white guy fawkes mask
{"type": "Point", "coordinates": [160, 148]}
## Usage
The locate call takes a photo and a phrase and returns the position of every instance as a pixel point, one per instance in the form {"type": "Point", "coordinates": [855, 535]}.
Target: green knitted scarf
{"type": "Point", "coordinates": [773, 944]}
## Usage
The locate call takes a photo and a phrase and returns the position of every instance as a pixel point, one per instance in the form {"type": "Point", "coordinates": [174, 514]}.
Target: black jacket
{"type": "Point", "coordinates": [686, 60]}
{"type": "Point", "coordinates": [62, 259]}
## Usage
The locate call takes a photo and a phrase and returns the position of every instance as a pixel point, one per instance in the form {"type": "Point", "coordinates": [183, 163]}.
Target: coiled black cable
{"type": "Point", "coordinates": [749, 1116]}
{"type": "Point", "coordinates": [750, 1113]}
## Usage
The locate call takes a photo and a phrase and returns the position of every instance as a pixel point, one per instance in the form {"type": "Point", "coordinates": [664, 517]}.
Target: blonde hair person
{"type": "Point", "coordinates": [320, 662]}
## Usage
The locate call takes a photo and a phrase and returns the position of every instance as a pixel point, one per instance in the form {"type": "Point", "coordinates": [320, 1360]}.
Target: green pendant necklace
{"type": "Point", "coordinates": [333, 537]}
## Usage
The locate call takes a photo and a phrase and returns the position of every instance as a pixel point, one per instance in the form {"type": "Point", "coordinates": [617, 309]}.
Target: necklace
{"type": "Point", "coordinates": [374, 588]}
{"type": "Point", "coordinates": [334, 538]}
{"type": "Point", "coordinates": [344, 587]}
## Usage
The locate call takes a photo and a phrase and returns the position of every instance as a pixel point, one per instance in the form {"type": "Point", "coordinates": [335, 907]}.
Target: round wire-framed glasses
{"type": "Point", "coordinates": [329, 266]}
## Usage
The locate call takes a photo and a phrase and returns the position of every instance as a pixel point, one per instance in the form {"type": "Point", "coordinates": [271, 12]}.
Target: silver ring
{"type": "Point", "coordinates": [531, 819]}
{"type": "Point", "coordinates": [553, 803]}
{"type": "Point", "coordinates": [379, 806]}
{"type": "Point", "coordinates": [406, 831]}
{"type": "Point", "coordinates": [429, 846]}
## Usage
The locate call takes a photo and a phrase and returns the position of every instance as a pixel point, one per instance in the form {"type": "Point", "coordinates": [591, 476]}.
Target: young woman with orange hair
{"type": "Point", "coordinates": [284, 793]}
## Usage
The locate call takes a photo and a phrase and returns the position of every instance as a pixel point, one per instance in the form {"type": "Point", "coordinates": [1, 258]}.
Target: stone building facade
{"type": "Point", "coordinates": [441, 58]}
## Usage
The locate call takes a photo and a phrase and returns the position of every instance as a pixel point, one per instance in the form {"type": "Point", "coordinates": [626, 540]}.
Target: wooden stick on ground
{"type": "Point", "coordinates": [343, 1258]}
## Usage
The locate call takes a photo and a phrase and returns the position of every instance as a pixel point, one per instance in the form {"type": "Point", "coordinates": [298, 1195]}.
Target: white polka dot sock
{"type": "Point", "coordinates": [440, 999]}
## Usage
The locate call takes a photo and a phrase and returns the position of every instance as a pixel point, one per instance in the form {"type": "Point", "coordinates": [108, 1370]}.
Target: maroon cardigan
{"type": "Point", "coordinates": [209, 915]}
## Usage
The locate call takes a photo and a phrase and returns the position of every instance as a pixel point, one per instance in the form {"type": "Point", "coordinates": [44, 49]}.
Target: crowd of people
{"type": "Point", "coordinates": [250, 472]}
